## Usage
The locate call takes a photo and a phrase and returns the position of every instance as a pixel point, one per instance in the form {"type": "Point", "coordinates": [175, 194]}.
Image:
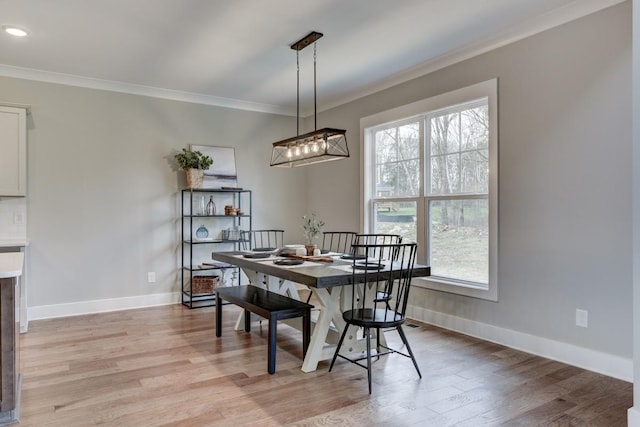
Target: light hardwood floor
{"type": "Point", "coordinates": [163, 366]}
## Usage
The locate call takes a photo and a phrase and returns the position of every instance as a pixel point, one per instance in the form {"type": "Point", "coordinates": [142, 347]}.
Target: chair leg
{"type": "Point", "coordinates": [344, 333]}
{"type": "Point", "coordinates": [406, 343]}
{"type": "Point", "coordinates": [367, 332]}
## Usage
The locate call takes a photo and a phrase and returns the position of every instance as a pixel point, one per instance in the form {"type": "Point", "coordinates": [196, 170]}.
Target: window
{"type": "Point", "coordinates": [431, 176]}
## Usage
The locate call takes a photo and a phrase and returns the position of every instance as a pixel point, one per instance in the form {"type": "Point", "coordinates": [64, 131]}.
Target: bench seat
{"type": "Point", "coordinates": [269, 305]}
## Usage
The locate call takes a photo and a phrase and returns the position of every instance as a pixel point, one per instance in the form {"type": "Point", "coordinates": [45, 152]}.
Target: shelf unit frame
{"type": "Point", "coordinates": [242, 199]}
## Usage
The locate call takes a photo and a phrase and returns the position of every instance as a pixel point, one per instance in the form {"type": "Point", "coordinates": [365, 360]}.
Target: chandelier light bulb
{"type": "Point", "coordinates": [15, 31]}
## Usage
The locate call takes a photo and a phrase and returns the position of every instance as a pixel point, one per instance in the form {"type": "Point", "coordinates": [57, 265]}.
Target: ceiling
{"type": "Point", "coordinates": [236, 53]}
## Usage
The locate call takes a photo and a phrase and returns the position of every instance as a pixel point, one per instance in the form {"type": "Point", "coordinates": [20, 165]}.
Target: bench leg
{"type": "Point", "coordinates": [306, 332]}
{"type": "Point", "coordinates": [218, 316]}
{"type": "Point", "coordinates": [273, 332]}
{"type": "Point", "coordinates": [247, 321]}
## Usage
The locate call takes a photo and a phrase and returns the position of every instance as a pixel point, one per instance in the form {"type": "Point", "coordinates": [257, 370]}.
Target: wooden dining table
{"type": "Point", "coordinates": [327, 281]}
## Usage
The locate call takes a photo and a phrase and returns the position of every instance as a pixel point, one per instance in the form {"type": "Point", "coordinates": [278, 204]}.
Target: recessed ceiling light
{"type": "Point", "coordinates": [15, 31]}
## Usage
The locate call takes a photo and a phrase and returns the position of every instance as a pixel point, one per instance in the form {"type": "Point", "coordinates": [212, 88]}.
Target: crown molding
{"type": "Point", "coordinates": [134, 89]}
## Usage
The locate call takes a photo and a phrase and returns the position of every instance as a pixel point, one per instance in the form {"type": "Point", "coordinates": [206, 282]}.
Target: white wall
{"type": "Point", "coordinates": [564, 188]}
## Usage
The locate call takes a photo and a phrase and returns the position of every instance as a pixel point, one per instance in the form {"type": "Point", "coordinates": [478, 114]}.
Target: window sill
{"type": "Point", "coordinates": [489, 293]}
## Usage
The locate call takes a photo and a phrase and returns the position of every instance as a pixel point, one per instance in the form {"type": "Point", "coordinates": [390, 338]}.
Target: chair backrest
{"type": "Point", "coordinates": [381, 283]}
{"type": "Point", "coordinates": [378, 239]}
{"type": "Point", "coordinates": [262, 239]}
{"type": "Point", "coordinates": [338, 241]}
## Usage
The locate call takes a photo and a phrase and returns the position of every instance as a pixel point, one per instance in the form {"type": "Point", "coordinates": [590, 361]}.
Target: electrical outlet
{"type": "Point", "coordinates": [18, 218]}
{"type": "Point", "coordinates": [582, 318]}
{"type": "Point", "coordinates": [151, 277]}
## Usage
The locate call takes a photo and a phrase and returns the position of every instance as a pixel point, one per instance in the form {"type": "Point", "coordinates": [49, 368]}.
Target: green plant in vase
{"type": "Point", "coordinates": [312, 227]}
{"type": "Point", "coordinates": [194, 163]}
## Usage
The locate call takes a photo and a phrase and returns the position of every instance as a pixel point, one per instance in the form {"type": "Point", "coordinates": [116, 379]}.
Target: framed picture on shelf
{"type": "Point", "coordinates": [222, 173]}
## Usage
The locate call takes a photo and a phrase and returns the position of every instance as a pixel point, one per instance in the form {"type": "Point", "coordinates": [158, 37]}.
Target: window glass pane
{"type": "Point", "coordinates": [445, 174]}
{"type": "Point", "coordinates": [445, 135]}
{"type": "Point", "coordinates": [396, 218]}
{"type": "Point", "coordinates": [397, 153]}
{"type": "Point", "coordinates": [475, 128]}
{"type": "Point", "coordinates": [475, 173]}
{"type": "Point", "coordinates": [459, 156]}
{"type": "Point", "coordinates": [385, 143]}
{"type": "Point", "coordinates": [459, 244]}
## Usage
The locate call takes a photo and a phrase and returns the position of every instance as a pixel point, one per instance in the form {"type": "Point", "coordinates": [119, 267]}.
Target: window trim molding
{"type": "Point", "coordinates": [487, 89]}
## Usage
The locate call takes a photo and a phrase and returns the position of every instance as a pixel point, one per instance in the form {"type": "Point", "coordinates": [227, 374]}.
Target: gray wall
{"type": "Point", "coordinates": [565, 180]}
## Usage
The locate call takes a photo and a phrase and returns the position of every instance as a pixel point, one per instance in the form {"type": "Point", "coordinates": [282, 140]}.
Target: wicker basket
{"type": "Point", "coordinates": [194, 178]}
{"type": "Point", "coordinates": [203, 284]}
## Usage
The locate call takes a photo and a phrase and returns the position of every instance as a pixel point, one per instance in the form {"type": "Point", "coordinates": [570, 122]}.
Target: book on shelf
{"type": "Point", "coordinates": [215, 264]}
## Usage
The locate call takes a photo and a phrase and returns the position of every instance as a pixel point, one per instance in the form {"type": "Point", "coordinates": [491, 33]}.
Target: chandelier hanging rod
{"type": "Point", "coordinates": [312, 37]}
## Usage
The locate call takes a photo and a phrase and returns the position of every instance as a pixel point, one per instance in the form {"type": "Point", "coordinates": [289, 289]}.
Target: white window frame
{"type": "Point", "coordinates": [487, 89]}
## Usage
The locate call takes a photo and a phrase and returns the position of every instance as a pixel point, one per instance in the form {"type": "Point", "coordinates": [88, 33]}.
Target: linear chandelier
{"type": "Point", "coordinates": [321, 145]}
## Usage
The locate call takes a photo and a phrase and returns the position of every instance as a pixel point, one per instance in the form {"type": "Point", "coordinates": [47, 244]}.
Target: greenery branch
{"type": "Point", "coordinates": [188, 159]}
{"type": "Point", "coordinates": [312, 226]}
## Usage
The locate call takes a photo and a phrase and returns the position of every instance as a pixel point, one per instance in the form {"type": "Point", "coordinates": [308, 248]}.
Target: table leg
{"type": "Point", "coordinates": [329, 310]}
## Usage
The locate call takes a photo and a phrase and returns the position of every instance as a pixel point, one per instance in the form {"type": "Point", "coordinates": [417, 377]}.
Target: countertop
{"type": "Point", "coordinates": [11, 264]}
{"type": "Point", "coordinates": [11, 243]}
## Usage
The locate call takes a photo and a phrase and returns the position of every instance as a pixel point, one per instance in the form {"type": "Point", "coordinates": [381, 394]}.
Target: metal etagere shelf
{"type": "Point", "coordinates": [219, 231]}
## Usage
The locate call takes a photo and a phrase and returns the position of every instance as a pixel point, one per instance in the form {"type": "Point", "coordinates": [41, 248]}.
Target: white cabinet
{"type": "Point", "coordinates": [13, 151]}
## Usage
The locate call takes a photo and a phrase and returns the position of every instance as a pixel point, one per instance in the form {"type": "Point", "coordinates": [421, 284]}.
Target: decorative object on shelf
{"type": "Point", "coordinates": [312, 227]}
{"type": "Point", "coordinates": [211, 206]}
{"type": "Point", "coordinates": [203, 284]}
{"type": "Point", "coordinates": [199, 206]}
{"type": "Point", "coordinates": [202, 232]}
{"type": "Point", "coordinates": [230, 210]}
{"type": "Point", "coordinates": [222, 174]}
{"type": "Point", "coordinates": [194, 164]}
{"type": "Point", "coordinates": [232, 233]}
{"type": "Point", "coordinates": [321, 145]}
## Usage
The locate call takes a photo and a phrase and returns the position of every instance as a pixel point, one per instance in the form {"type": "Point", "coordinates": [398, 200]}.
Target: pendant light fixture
{"type": "Point", "coordinates": [321, 145]}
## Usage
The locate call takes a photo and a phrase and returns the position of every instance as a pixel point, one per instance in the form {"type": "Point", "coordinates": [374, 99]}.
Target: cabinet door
{"type": "Point", "coordinates": [13, 151]}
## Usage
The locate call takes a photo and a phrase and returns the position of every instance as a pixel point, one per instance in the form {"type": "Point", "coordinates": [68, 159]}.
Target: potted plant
{"type": "Point", "coordinates": [312, 226]}
{"type": "Point", "coordinates": [194, 163]}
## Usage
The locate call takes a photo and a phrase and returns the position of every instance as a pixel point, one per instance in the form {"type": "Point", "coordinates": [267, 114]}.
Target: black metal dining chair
{"type": "Point", "coordinates": [379, 299]}
{"type": "Point", "coordinates": [262, 240]}
{"type": "Point", "coordinates": [338, 241]}
{"type": "Point", "coordinates": [380, 239]}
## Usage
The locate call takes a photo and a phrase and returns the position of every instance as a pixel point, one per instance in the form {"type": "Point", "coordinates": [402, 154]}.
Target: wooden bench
{"type": "Point", "coordinates": [267, 304]}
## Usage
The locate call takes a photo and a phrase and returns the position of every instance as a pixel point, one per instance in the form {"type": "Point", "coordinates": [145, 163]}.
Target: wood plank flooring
{"type": "Point", "coordinates": [163, 366]}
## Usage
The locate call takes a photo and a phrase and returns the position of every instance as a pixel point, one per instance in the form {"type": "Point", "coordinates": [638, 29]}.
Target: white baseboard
{"type": "Point", "coordinates": [603, 363]}
{"type": "Point", "coordinates": [100, 306]}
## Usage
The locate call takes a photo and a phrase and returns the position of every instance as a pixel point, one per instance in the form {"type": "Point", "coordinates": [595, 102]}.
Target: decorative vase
{"type": "Point", "coordinates": [310, 247]}
{"type": "Point", "coordinates": [194, 178]}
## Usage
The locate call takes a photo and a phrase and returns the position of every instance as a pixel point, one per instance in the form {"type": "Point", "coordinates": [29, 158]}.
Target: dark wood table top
{"type": "Point", "coordinates": [315, 275]}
